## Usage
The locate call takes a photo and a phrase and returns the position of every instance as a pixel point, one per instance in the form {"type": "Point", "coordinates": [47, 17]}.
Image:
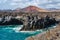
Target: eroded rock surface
{"type": "Point", "coordinates": [52, 34]}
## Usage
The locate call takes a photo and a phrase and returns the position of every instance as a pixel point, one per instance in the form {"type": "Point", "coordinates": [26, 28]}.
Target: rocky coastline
{"type": "Point", "coordinates": [9, 20]}
{"type": "Point", "coordinates": [52, 34]}
{"type": "Point", "coordinates": [29, 22]}
{"type": "Point", "coordinates": [35, 23]}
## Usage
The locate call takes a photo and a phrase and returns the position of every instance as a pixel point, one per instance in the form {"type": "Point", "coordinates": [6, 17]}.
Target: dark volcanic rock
{"type": "Point", "coordinates": [13, 21]}
{"type": "Point", "coordinates": [39, 24]}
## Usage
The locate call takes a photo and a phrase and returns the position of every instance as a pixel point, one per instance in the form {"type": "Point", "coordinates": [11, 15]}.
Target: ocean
{"type": "Point", "coordinates": [11, 32]}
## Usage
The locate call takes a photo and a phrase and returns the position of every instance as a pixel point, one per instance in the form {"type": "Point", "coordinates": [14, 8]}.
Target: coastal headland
{"type": "Point", "coordinates": [52, 34]}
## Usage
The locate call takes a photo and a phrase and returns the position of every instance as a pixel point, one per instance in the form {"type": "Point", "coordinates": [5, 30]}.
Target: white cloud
{"type": "Point", "coordinates": [58, 4]}
{"type": "Point", "coordinates": [0, 1]}
{"type": "Point", "coordinates": [4, 1]}
{"type": "Point", "coordinates": [50, 1]}
{"type": "Point", "coordinates": [13, 4]}
{"type": "Point", "coordinates": [16, 0]}
{"type": "Point", "coordinates": [39, 3]}
{"type": "Point", "coordinates": [23, 3]}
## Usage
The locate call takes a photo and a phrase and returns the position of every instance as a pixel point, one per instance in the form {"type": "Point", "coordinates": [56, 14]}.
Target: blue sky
{"type": "Point", "coordinates": [13, 4]}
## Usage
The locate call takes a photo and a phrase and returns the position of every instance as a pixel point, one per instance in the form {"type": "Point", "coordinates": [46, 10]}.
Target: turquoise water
{"type": "Point", "coordinates": [7, 33]}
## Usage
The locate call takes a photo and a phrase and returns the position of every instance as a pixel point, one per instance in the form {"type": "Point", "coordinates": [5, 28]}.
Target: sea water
{"type": "Point", "coordinates": [11, 32]}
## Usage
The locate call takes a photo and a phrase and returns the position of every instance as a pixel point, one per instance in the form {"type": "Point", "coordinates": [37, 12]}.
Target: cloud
{"type": "Point", "coordinates": [13, 4]}
{"type": "Point", "coordinates": [58, 4]}
{"type": "Point", "coordinates": [39, 3]}
{"type": "Point", "coordinates": [52, 5]}
{"type": "Point", "coordinates": [24, 3]}
{"type": "Point", "coordinates": [0, 1]}
{"type": "Point", "coordinates": [4, 1]}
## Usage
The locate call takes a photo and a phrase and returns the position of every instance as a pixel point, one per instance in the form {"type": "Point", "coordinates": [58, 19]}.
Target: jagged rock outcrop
{"type": "Point", "coordinates": [51, 34]}
{"type": "Point", "coordinates": [10, 21]}
{"type": "Point", "coordinates": [39, 23]}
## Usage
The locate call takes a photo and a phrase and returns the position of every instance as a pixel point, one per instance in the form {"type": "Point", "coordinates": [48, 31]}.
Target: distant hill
{"type": "Point", "coordinates": [31, 9]}
{"type": "Point", "coordinates": [54, 10]}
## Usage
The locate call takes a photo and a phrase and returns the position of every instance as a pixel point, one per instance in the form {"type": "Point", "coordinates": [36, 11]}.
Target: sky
{"type": "Point", "coordinates": [13, 4]}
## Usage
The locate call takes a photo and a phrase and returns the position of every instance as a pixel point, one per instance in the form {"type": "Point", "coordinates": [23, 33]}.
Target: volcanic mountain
{"type": "Point", "coordinates": [31, 9]}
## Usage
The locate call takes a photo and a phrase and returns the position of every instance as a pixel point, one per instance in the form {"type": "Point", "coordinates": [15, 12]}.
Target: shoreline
{"type": "Point", "coordinates": [40, 34]}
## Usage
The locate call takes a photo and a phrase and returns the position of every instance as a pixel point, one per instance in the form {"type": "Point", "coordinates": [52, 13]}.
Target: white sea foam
{"type": "Point", "coordinates": [30, 32]}
{"type": "Point", "coordinates": [40, 30]}
{"type": "Point", "coordinates": [54, 26]}
{"type": "Point", "coordinates": [17, 29]}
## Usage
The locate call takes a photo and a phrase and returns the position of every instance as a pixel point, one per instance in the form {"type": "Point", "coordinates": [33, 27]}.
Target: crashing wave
{"type": "Point", "coordinates": [17, 29]}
